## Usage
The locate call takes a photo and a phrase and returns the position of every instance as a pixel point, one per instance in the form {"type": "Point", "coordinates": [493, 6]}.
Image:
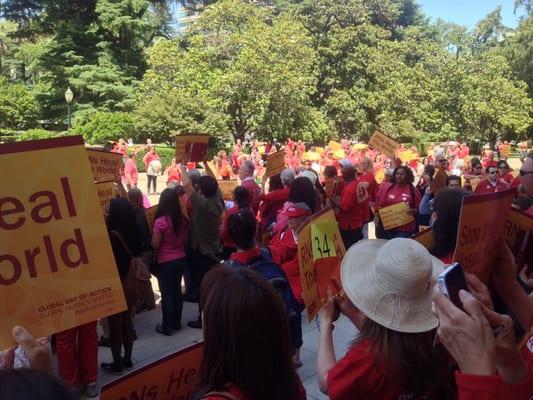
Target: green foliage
{"type": "Point", "coordinates": [18, 107]}
{"type": "Point", "coordinates": [33, 134]}
{"type": "Point", "coordinates": [102, 126]}
{"type": "Point", "coordinates": [165, 155]}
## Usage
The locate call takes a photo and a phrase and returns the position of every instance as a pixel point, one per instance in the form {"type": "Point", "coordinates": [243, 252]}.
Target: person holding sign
{"type": "Point", "coordinates": [400, 190]}
{"type": "Point", "coordinates": [246, 175]}
{"type": "Point", "coordinates": [388, 293]}
{"type": "Point", "coordinates": [252, 359]}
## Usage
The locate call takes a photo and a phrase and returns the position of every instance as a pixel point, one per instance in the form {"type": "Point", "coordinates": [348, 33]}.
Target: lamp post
{"type": "Point", "coordinates": [69, 96]}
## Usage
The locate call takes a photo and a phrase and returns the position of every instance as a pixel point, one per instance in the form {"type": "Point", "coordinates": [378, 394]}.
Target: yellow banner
{"type": "Point", "coordinates": [227, 188]}
{"type": "Point", "coordinates": [57, 268]}
{"type": "Point", "coordinates": [380, 175]}
{"type": "Point", "coordinates": [308, 268]}
{"type": "Point", "coordinates": [333, 145]}
{"type": "Point", "coordinates": [106, 191]}
{"type": "Point", "coordinates": [105, 166]}
{"type": "Point", "coordinates": [211, 169]}
{"type": "Point", "coordinates": [275, 163]}
{"type": "Point", "coordinates": [395, 215]}
{"type": "Point", "coordinates": [191, 148]}
{"type": "Point", "coordinates": [170, 378]}
{"type": "Point", "coordinates": [407, 155]}
{"type": "Point", "coordinates": [319, 150]}
{"type": "Point", "coordinates": [481, 226]}
{"type": "Point", "coordinates": [384, 144]}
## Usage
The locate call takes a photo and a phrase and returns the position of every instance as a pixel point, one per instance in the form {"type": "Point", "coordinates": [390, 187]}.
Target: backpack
{"type": "Point", "coordinates": [137, 287]}
{"type": "Point", "coordinates": [272, 272]}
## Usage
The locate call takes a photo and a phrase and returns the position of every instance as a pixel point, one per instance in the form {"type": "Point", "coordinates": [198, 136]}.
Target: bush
{"type": "Point", "coordinates": [165, 154]}
{"type": "Point", "coordinates": [33, 134]}
{"type": "Point", "coordinates": [103, 126]}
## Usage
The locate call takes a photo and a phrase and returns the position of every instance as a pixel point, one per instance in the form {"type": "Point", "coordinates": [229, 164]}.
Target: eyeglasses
{"type": "Point", "coordinates": [524, 173]}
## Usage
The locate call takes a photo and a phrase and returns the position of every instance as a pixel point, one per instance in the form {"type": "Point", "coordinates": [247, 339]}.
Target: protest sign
{"type": "Point", "coordinates": [150, 217]}
{"type": "Point", "coordinates": [505, 150]}
{"type": "Point", "coordinates": [319, 150]}
{"type": "Point", "coordinates": [56, 263]}
{"type": "Point", "coordinates": [425, 238]}
{"type": "Point", "coordinates": [384, 144]}
{"type": "Point", "coordinates": [211, 169]}
{"type": "Point", "coordinates": [105, 166]}
{"type": "Point", "coordinates": [328, 237]}
{"type": "Point", "coordinates": [333, 145]}
{"type": "Point", "coordinates": [481, 225]}
{"type": "Point", "coordinates": [439, 181]}
{"type": "Point", "coordinates": [106, 191]}
{"type": "Point", "coordinates": [395, 215]}
{"type": "Point", "coordinates": [170, 378]}
{"type": "Point", "coordinates": [339, 154]}
{"type": "Point", "coordinates": [227, 188]}
{"type": "Point", "coordinates": [519, 236]}
{"type": "Point", "coordinates": [407, 155]}
{"type": "Point", "coordinates": [275, 163]}
{"type": "Point", "coordinates": [191, 148]}
{"type": "Point", "coordinates": [331, 183]}
{"type": "Point", "coordinates": [380, 175]}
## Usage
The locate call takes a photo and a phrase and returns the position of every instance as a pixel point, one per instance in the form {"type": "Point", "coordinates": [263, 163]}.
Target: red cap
{"type": "Point", "coordinates": [298, 210]}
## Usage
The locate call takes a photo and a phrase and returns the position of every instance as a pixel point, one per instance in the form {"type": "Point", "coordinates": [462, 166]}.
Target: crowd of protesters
{"type": "Point", "coordinates": [240, 257]}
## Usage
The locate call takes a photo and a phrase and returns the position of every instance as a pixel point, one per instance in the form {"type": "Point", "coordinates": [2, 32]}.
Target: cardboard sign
{"type": "Point", "coordinates": [425, 238]}
{"type": "Point", "coordinates": [330, 185]}
{"type": "Point", "coordinates": [481, 226]}
{"type": "Point", "coordinates": [211, 169]}
{"type": "Point", "coordinates": [169, 378]}
{"type": "Point", "coordinates": [327, 268]}
{"type": "Point", "coordinates": [395, 215]}
{"type": "Point", "coordinates": [57, 269]}
{"type": "Point", "coordinates": [106, 191]}
{"type": "Point", "coordinates": [191, 148]}
{"type": "Point", "coordinates": [505, 150]}
{"type": "Point", "coordinates": [319, 150]}
{"type": "Point", "coordinates": [275, 163]}
{"type": "Point", "coordinates": [227, 188]}
{"type": "Point", "coordinates": [439, 181]}
{"type": "Point", "coordinates": [105, 166]}
{"type": "Point", "coordinates": [519, 236]}
{"type": "Point", "coordinates": [308, 268]}
{"type": "Point", "coordinates": [150, 217]}
{"type": "Point", "coordinates": [333, 145]}
{"type": "Point", "coordinates": [322, 235]}
{"type": "Point", "coordinates": [384, 144]}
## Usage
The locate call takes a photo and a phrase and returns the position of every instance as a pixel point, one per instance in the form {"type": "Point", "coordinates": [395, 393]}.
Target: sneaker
{"type": "Point", "coordinates": [127, 364]}
{"type": "Point", "coordinates": [196, 324]}
{"type": "Point", "coordinates": [91, 390]}
{"type": "Point", "coordinates": [112, 368]}
{"type": "Point", "coordinates": [159, 329]}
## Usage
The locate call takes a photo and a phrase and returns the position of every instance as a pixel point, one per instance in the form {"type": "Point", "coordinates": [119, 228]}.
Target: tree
{"type": "Point", "coordinates": [18, 107]}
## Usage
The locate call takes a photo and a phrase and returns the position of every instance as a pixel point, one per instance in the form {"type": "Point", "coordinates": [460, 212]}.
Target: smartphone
{"type": "Point", "coordinates": [450, 281]}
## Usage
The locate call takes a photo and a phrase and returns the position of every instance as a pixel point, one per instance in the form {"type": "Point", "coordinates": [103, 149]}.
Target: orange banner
{"type": "Point", "coordinates": [275, 163]}
{"type": "Point", "coordinates": [191, 148]}
{"type": "Point", "coordinates": [173, 377]}
{"type": "Point", "coordinates": [519, 236]}
{"type": "Point", "coordinates": [105, 166]}
{"type": "Point", "coordinates": [505, 150]}
{"type": "Point", "coordinates": [384, 144]}
{"type": "Point", "coordinates": [481, 226]}
{"type": "Point", "coordinates": [309, 265]}
{"type": "Point", "coordinates": [57, 268]}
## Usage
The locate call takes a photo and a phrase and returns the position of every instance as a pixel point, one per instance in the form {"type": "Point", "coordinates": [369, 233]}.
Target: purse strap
{"type": "Point", "coordinates": [122, 242]}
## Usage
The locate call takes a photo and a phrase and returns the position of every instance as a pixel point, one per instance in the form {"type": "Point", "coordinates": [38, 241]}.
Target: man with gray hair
{"type": "Point", "coordinates": [287, 177]}
{"type": "Point", "coordinates": [246, 175]}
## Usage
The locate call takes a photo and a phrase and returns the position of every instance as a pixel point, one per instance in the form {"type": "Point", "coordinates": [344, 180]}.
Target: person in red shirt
{"type": "Point", "coordinates": [240, 198]}
{"type": "Point", "coordinates": [491, 184]}
{"type": "Point", "coordinates": [246, 175]}
{"type": "Point", "coordinates": [488, 159]}
{"type": "Point", "coordinates": [173, 173]}
{"type": "Point", "coordinates": [352, 210]}
{"type": "Point", "coordinates": [504, 173]}
{"type": "Point", "coordinates": [273, 201]}
{"type": "Point", "coordinates": [400, 190]}
{"type": "Point", "coordinates": [131, 173]}
{"type": "Point", "coordinates": [246, 302]}
{"type": "Point", "coordinates": [387, 296]}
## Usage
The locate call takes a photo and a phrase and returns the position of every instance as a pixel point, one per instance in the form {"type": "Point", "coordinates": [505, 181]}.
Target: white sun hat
{"type": "Point", "coordinates": [390, 281]}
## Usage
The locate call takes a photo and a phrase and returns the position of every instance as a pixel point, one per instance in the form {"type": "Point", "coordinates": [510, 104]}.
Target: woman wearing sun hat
{"type": "Point", "coordinates": [387, 286]}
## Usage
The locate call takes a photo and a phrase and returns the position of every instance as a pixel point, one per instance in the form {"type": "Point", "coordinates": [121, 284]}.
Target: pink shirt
{"type": "Point", "coordinates": [171, 247]}
{"type": "Point", "coordinates": [130, 168]}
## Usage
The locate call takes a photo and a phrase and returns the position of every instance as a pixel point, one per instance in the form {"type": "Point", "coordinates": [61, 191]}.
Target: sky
{"type": "Point", "coordinates": [468, 12]}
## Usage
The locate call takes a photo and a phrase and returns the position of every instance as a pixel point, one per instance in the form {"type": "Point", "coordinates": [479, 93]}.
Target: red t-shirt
{"type": "Point", "coordinates": [284, 250]}
{"type": "Point", "coordinates": [224, 232]}
{"type": "Point", "coordinates": [351, 214]}
{"type": "Point", "coordinates": [357, 376]}
{"type": "Point", "coordinates": [396, 194]}
{"type": "Point", "coordinates": [253, 193]}
{"type": "Point", "coordinates": [486, 187]}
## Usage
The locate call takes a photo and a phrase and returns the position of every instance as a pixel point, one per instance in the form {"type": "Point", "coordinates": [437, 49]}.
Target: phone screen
{"type": "Point", "coordinates": [452, 280]}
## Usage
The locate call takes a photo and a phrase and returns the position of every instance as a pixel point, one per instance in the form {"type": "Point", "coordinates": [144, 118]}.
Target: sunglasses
{"type": "Point", "coordinates": [503, 167]}
{"type": "Point", "coordinates": [524, 173]}
{"type": "Point", "coordinates": [493, 172]}
{"type": "Point", "coordinates": [478, 167]}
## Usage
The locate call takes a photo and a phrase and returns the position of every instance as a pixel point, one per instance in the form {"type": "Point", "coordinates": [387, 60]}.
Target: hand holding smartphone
{"type": "Point", "coordinates": [451, 281]}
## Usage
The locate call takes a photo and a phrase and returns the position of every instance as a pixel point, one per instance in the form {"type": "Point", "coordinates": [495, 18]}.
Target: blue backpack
{"type": "Point", "coordinates": [272, 272]}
